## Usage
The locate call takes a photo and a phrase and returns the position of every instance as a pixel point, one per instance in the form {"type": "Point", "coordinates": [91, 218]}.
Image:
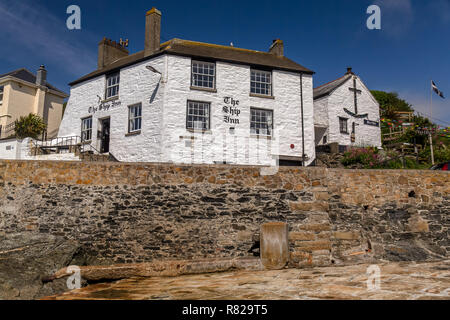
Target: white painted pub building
{"type": "Point", "coordinates": [190, 102]}
{"type": "Point", "coordinates": [346, 113]}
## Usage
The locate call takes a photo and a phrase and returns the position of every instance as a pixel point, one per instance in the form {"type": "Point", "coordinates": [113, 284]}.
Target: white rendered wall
{"type": "Point", "coordinates": [164, 137]}
{"type": "Point", "coordinates": [341, 98]}
{"type": "Point", "coordinates": [241, 147]}
{"type": "Point", "coordinates": [10, 149]}
{"type": "Point", "coordinates": [321, 121]}
{"type": "Point", "coordinates": [137, 85]}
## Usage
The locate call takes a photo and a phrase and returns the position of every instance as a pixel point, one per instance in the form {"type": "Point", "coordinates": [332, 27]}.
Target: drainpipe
{"type": "Point", "coordinates": [303, 120]}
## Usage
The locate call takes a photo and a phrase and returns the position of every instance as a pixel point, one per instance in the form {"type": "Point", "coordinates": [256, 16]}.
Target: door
{"type": "Point", "coordinates": [105, 135]}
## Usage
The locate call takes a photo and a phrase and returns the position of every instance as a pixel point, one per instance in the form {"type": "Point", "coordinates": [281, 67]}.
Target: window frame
{"type": "Point", "coordinates": [2, 93]}
{"type": "Point", "coordinates": [341, 127]}
{"type": "Point", "coordinates": [214, 76]}
{"type": "Point", "coordinates": [209, 116]}
{"type": "Point", "coordinates": [107, 77]}
{"type": "Point", "coordinates": [134, 118]}
{"type": "Point", "coordinates": [85, 130]}
{"type": "Point", "coordinates": [270, 72]}
{"type": "Point", "coordinates": [272, 126]}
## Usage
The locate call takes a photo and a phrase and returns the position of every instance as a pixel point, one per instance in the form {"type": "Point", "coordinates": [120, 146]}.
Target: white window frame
{"type": "Point", "coordinates": [135, 119]}
{"type": "Point", "coordinates": [112, 85]}
{"type": "Point", "coordinates": [257, 125]}
{"type": "Point", "coordinates": [198, 112]}
{"type": "Point", "coordinates": [85, 130]}
{"type": "Point", "coordinates": [207, 75]}
{"type": "Point", "coordinates": [2, 90]}
{"type": "Point", "coordinates": [260, 79]}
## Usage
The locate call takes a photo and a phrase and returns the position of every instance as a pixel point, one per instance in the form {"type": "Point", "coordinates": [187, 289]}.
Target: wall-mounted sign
{"type": "Point", "coordinates": [231, 111]}
{"type": "Point", "coordinates": [104, 106]}
{"type": "Point", "coordinates": [371, 123]}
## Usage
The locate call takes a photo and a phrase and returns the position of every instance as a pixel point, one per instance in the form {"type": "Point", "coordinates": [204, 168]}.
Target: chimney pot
{"type": "Point", "coordinates": [152, 32]}
{"type": "Point", "coordinates": [277, 48]}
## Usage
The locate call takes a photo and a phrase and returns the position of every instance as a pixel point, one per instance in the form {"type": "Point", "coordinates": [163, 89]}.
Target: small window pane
{"type": "Point", "coordinates": [261, 82]}
{"type": "Point", "coordinates": [261, 122]}
{"type": "Point", "coordinates": [112, 86]}
{"type": "Point", "coordinates": [86, 129]}
{"type": "Point", "coordinates": [203, 74]}
{"type": "Point", "coordinates": [135, 118]}
{"type": "Point", "coordinates": [198, 115]}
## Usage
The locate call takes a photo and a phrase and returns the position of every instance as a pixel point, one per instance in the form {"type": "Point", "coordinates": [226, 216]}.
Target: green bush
{"type": "Point", "coordinates": [31, 126]}
{"type": "Point", "coordinates": [367, 157]}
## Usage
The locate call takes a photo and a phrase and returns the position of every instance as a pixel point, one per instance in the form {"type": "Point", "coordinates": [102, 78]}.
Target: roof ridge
{"type": "Point", "coordinates": [219, 45]}
{"type": "Point", "coordinates": [331, 81]}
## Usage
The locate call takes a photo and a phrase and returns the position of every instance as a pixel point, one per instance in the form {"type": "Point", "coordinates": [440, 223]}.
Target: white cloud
{"type": "Point", "coordinates": [34, 30]}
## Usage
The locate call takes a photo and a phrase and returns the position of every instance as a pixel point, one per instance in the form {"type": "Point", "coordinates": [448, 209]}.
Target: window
{"type": "Point", "coordinates": [86, 129]}
{"type": "Point", "coordinates": [135, 118]}
{"type": "Point", "coordinates": [112, 85]}
{"type": "Point", "coordinates": [261, 82]}
{"type": "Point", "coordinates": [203, 74]}
{"type": "Point", "coordinates": [261, 122]}
{"type": "Point", "coordinates": [343, 125]}
{"type": "Point", "coordinates": [325, 139]}
{"type": "Point", "coordinates": [1, 94]}
{"type": "Point", "coordinates": [198, 115]}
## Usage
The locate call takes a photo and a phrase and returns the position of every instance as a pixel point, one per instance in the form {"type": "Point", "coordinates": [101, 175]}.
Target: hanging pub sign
{"type": "Point", "coordinates": [231, 111]}
{"type": "Point", "coordinates": [371, 123]}
{"type": "Point", "coordinates": [104, 106]}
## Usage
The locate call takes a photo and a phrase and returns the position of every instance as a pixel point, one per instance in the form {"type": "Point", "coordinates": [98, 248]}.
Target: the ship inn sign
{"type": "Point", "coordinates": [231, 111]}
{"type": "Point", "coordinates": [104, 106]}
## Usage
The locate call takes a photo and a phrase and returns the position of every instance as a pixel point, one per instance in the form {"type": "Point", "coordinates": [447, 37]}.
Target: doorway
{"type": "Point", "coordinates": [105, 135]}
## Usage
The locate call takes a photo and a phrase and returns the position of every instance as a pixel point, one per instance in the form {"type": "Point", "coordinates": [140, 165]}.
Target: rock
{"type": "Point", "coordinates": [26, 257]}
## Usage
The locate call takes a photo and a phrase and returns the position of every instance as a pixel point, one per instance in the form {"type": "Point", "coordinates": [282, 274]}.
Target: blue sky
{"type": "Point", "coordinates": [324, 35]}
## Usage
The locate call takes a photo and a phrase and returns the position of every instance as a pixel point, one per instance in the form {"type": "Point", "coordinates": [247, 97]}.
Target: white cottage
{"type": "Point", "coordinates": [346, 112]}
{"type": "Point", "coordinates": [190, 102]}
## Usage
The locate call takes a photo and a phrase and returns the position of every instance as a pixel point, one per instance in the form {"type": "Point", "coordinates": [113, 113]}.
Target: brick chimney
{"type": "Point", "coordinates": [41, 76]}
{"type": "Point", "coordinates": [349, 71]}
{"type": "Point", "coordinates": [109, 51]}
{"type": "Point", "coordinates": [277, 48]}
{"type": "Point", "coordinates": [152, 32]}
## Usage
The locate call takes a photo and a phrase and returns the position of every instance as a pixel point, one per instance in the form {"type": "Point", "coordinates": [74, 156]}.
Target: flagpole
{"type": "Point", "coordinates": [431, 120]}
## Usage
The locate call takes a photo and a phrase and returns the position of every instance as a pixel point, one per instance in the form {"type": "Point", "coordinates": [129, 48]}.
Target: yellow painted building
{"type": "Point", "coordinates": [22, 93]}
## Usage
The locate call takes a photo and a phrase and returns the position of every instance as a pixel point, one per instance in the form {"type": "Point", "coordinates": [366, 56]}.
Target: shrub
{"type": "Point", "coordinates": [30, 126]}
{"type": "Point", "coordinates": [367, 157]}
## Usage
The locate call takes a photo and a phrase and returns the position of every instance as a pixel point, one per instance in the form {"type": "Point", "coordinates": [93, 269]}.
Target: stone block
{"type": "Point", "coordinates": [347, 235]}
{"type": "Point", "coordinates": [301, 236]}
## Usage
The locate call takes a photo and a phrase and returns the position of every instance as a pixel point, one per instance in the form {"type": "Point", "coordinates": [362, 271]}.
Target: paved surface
{"type": "Point", "coordinates": [405, 281]}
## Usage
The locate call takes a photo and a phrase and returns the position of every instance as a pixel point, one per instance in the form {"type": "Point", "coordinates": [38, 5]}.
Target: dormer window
{"type": "Point", "coordinates": [261, 83]}
{"type": "Point", "coordinates": [203, 75]}
{"type": "Point", "coordinates": [112, 85]}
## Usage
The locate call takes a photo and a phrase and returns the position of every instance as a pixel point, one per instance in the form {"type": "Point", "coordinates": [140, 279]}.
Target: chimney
{"type": "Point", "coordinates": [110, 51]}
{"type": "Point", "coordinates": [277, 48]}
{"type": "Point", "coordinates": [41, 76]}
{"type": "Point", "coordinates": [349, 71]}
{"type": "Point", "coordinates": [152, 32]}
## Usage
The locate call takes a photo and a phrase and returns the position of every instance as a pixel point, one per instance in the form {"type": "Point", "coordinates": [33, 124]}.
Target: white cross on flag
{"type": "Point", "coordinates": [435, 89]}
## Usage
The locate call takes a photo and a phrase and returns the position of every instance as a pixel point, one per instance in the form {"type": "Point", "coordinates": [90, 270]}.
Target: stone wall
{"type": "Point", "coordinates": [123, 213]}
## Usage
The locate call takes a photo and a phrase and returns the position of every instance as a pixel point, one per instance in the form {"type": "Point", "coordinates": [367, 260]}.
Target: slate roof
{"type": "Point", "coordinates": [208, 51]}
{"type": "Point", "coordinates": [329, 87]}
{"type": "Point", "coordinates": [25, 75]}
